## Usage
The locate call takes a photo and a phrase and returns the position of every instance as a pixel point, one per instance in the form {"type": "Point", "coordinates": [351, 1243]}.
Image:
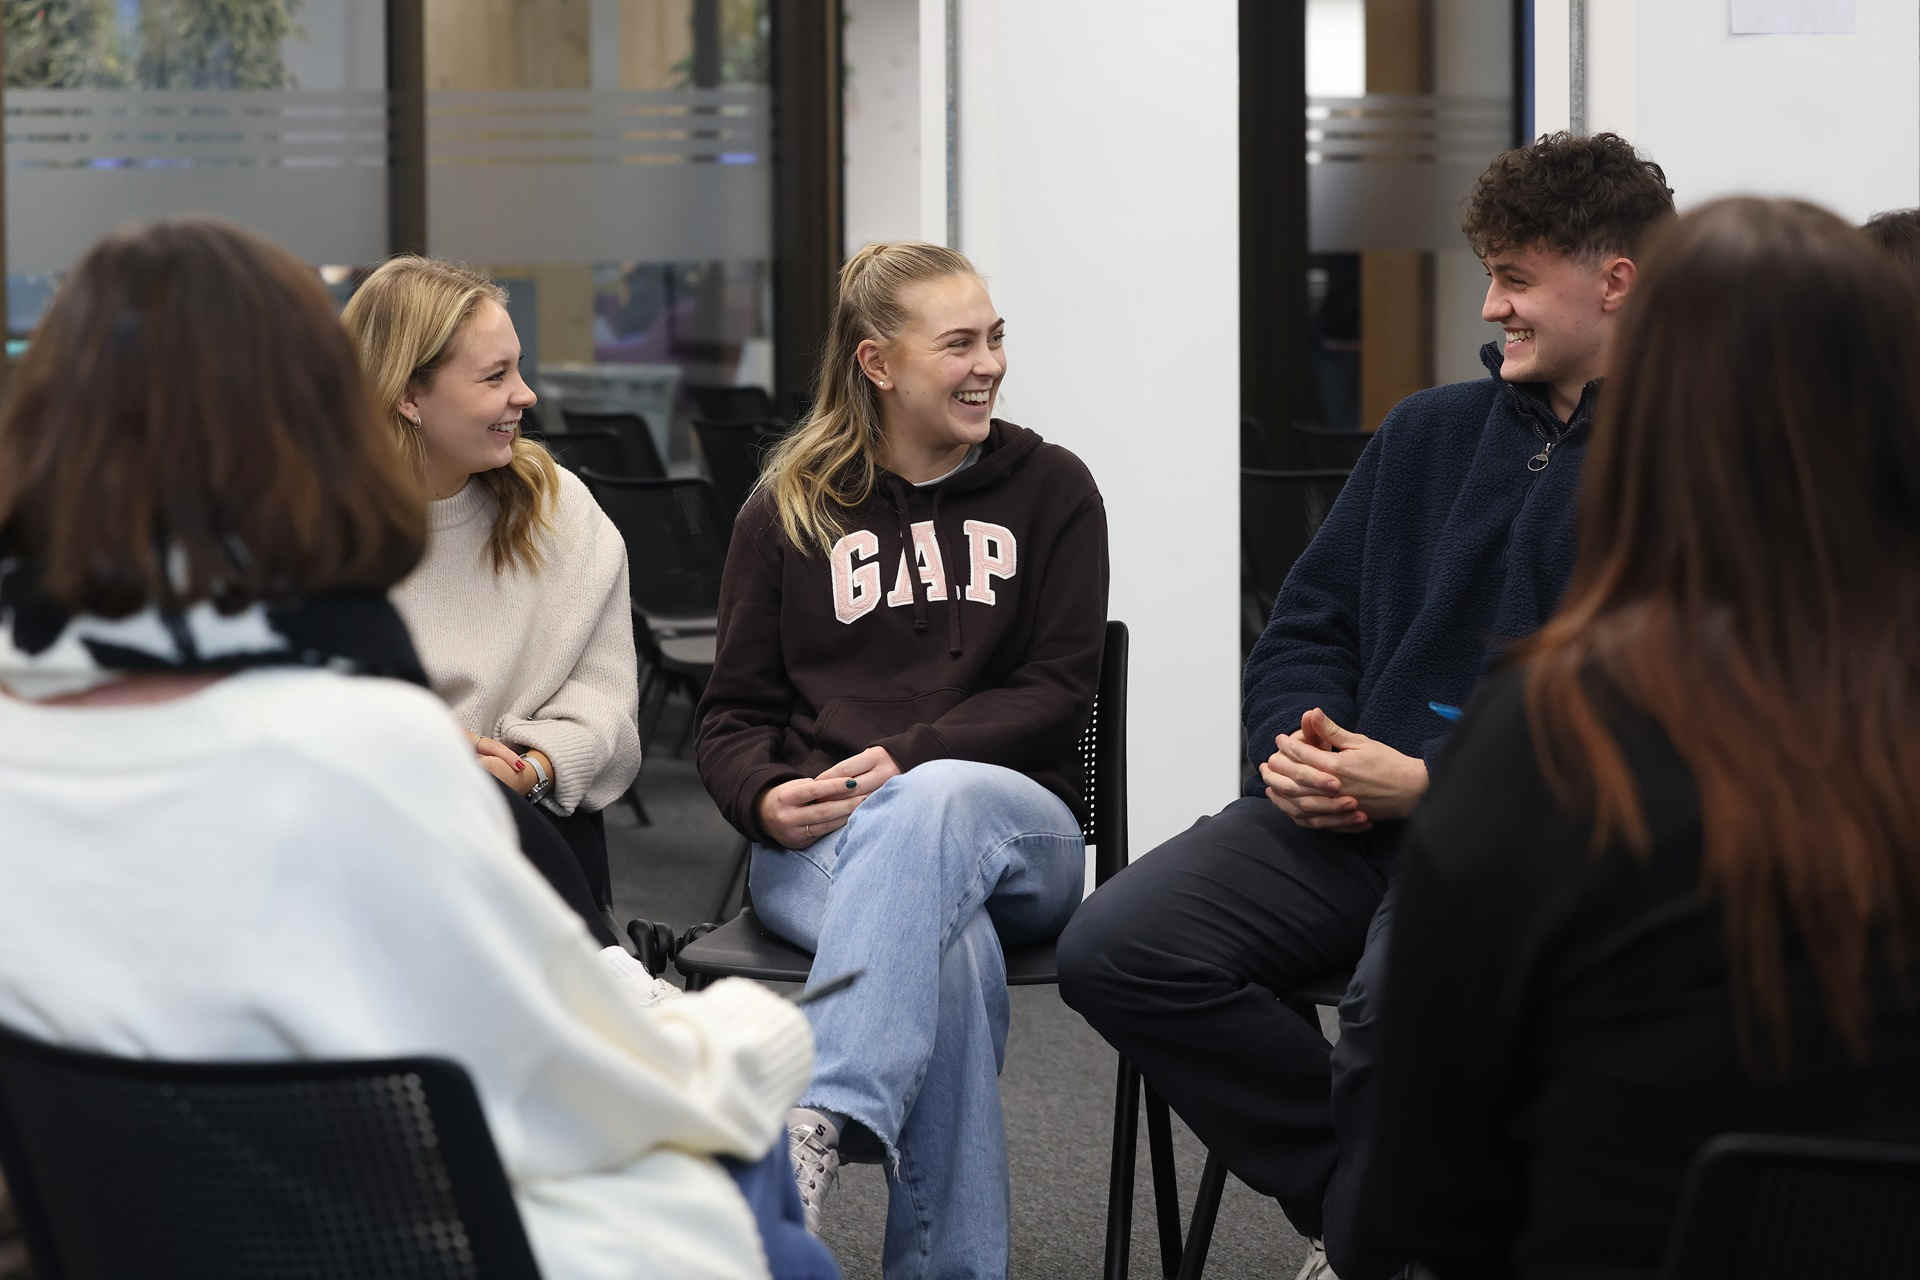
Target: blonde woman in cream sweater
{"type": "Point", "coordinates": [520, 608]}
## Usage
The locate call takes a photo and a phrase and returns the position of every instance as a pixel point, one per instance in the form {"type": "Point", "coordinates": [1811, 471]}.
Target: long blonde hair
{"type": "Point", "coordinates": [404, 319]}
{"type": "Point", "coordinates": [826, 464]}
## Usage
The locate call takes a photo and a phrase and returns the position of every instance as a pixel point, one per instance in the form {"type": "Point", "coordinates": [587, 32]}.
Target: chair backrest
{"type": "Point", "coordinates": [734, 452]}
{"type": "Point", "coordinates": [602, 451]}
{"type": "Point", "coordinates": [676, 541]}
{"type": "Point", "coordinates": [128, 1167]}
{"type": "Point", "coordinates": [1280, 511]}
{"type": "Point", "coordinates": [643, 456]}
{"type": "Point", "coordinates": [730, 404]}
{"type": "Point", "coordinates": [1103, 759]}
{"type": "Point", "coordinates": [1758, 1206]}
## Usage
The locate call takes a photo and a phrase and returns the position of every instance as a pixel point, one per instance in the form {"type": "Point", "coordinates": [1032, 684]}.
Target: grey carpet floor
{"type": "Point", "coordinates": [1057, 1089]}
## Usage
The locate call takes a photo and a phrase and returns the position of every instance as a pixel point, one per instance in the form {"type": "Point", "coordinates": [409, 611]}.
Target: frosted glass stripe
{"type": "Point", "coordinates": [306, 170]}
{"type": "Point", "coordinates": [1391, 171]}
{"type": "Point", "coordinates": [563, 176]}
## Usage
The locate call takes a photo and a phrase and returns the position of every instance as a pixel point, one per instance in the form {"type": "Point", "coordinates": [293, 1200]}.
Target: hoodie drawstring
{"type": "Point", "coordinates": [953, 585]}
{"type": "Point", "coordinates": [908, 558]}
{"type": "Point", "coordinates": [916, 581]}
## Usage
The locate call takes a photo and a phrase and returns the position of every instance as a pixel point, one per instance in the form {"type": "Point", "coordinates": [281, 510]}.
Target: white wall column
{"type": "Point", "coordinates": [1099, 185]}
{"type": "Point", "coordinates": [1830, 118]}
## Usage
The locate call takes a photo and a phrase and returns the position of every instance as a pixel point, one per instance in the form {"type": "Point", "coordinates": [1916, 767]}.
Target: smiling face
{"type": "Point", "coordinates": [1556, 314]}
{"type": "Point", "coordinates": [468, 410]}
{"type": "Point", "coordinates": [939, 376]}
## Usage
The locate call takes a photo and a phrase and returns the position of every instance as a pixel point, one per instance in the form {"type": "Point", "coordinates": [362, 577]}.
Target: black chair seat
{"type": "Point", "coordinates": [745, 948]}
{"type": "Point", "coordinates": [689, 651]}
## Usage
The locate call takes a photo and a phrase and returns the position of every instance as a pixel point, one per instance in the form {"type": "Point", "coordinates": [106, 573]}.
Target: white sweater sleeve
{"type": "Point", "coordinates": [589, 727]}
{"type": "Point", "coordinates": [573, 1072]}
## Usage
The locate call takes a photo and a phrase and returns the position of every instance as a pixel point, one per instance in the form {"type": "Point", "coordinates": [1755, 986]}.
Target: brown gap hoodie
{"type": "Point", "coordinates": [960, 620]}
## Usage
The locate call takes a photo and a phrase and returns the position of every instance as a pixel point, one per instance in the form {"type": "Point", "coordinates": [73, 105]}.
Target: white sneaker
{"type": "Point", "coordinates": [816, 1168]}
{"type": "Point", "coordinates": [1315, 1267]}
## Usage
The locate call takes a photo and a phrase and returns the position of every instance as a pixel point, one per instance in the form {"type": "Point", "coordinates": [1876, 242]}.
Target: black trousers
{"type": "Point", "coordinates": [1177, 959]}
{"type": "Point", "coordinates": [544, 840]}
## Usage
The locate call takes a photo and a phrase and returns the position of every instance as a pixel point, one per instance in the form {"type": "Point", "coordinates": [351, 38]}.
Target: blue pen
{"type": "Point", "coordinates": [1444, 711]}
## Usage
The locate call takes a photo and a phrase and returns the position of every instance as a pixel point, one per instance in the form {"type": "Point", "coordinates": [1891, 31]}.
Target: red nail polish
{"type": "Point", "coordinates": [519, 766]}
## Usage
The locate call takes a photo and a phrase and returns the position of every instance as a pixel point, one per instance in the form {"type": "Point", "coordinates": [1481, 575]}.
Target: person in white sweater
{"type": "Point", "coordinates": [520, 608]}
{"type": "Point", "coordinates": [234, 747]}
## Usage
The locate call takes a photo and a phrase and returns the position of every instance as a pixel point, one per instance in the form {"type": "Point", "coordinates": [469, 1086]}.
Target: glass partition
{"type": "Point", "coordinates": [270, 113]}
{"type": "Point", "coordinates": [612, 165]}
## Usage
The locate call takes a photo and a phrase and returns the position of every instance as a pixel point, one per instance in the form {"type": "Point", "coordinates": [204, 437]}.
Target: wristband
{"type": "Point", "coordinates": [544, 783]}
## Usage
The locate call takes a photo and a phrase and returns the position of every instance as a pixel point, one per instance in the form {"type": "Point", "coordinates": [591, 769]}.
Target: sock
{"type": "Point", "coordinates": [831, 1121]}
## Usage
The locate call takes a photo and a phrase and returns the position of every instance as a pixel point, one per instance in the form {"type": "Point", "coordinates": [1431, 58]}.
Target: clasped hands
{"type": "Point", "coordinates": [798, 812]}
{"type": "Point", "coordinates": [1331, 779]}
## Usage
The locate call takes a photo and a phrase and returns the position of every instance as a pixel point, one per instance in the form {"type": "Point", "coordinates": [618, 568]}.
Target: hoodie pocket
{"type": "Point", "coordinates": [850, 725]}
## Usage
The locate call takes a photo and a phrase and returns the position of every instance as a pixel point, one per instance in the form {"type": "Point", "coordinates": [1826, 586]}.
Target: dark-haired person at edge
{"type": "Point", "coordinates": [245, 829]}
{"type": "Point", "coordinates": [1453, 535]}
{"type": "Point", "coordinates": [1898, 232]}
{"type": "Point", "coordinates": [1695, 907]}
{"type": "Point", "coordinates": [520, 606]}
{"type": "Point", "coordinates": [910, 635]}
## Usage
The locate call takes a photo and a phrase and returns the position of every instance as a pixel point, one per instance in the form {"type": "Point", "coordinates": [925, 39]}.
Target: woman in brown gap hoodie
{"type": "Point", "coordinates": [909, 642]}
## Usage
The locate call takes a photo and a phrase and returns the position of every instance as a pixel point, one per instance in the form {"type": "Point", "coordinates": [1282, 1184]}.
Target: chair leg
{"type": "Point", "coordinates": [1166, 1189]}
{"type": "Point", "coordinates": [661, 694]}
{"type": "Point", "coordinates": [640, 814]}
{"type": "Point", "coordinates": [1206, 1207]}
{"type": "Point", "coordinates": [1126, 1129]}
{"type": "Point", "coordinates": [686, 730]}
{"type": "Point", "coordinates": [732, 898]}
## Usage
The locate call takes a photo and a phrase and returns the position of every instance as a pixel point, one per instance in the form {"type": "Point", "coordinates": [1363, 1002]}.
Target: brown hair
{"type": "Point", "coordinates": [1749, 577]}
{"type": "Point", "coordinates": [826, 464]}
{"type": "Point", "coordinates": [1898, 232]}
{"type": "Point", "coordinates": [406, 318]}
{"type": "Point", "coordinates": [189, 423]}
{"type": "Point", "coordinates": [1580, 196]}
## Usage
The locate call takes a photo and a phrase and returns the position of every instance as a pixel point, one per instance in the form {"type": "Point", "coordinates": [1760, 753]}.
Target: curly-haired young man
{"type": "Point", "coordinates": [1453, 535]}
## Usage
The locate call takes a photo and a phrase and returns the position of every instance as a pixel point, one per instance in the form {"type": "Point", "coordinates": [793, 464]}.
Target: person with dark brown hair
{"type": "Point", "coordinates": [237, 824]}
{"type": "Point", "coordinates": [1453, 535]}
{"type": "Point", "coordinates": [1667, 881]}
{"type": "Point", "coordinates": [1898, 232]}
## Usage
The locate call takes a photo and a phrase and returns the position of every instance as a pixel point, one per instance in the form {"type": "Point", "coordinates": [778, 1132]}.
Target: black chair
{"type": "Point", "coordinates": [1280, 511]}
{"type": "Point", "coordinates": [1300, 446]}
{"type": "Point", "coordinates": [642, 455]}
{"type": "Point", "coordinates": [676, 547]}
{"type": "Point", "coordinates": [1759, 1206]}
{"type": "Point", "coordinates": [734, 452]}
{"type": "Point", "coordinates": [602, 451]}
{"type": "Point", "coordinates": [730, 404]}
{"type": "Point", "coordinates": [743, 947]}
{"type": "Point", "coordinates": [127, 1167]}
{"type": "Point", "coordinates": [1180, 1259]}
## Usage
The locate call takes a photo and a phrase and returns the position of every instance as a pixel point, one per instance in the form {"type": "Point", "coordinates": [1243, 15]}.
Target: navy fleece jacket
{"type": "Point", "coordinates": [1442, 547]}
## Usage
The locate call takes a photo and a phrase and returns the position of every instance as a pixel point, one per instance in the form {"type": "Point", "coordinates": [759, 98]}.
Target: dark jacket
{"type": "Point", "coordinates": [990, 652]}
{"type": "Point", "coordinates": [1442, 546]}
{"type": "Point", "coordinates": [1557, 1029]}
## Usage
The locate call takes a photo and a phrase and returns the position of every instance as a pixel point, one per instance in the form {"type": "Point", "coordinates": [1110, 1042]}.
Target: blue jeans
{"type": "Point", "coordinates": [919, 889]}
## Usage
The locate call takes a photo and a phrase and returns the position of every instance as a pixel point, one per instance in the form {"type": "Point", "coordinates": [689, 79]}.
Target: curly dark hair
{"type": "Point", "coordinates": [1580, 196]}
{"type": "Point", "coordinates": [1898, 232]}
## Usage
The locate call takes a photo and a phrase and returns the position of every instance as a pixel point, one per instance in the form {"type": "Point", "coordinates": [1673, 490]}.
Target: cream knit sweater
{"type": "Point", "coordinates": [318, 870]}
{"type": "Point", "coordinates": [536, 659]}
